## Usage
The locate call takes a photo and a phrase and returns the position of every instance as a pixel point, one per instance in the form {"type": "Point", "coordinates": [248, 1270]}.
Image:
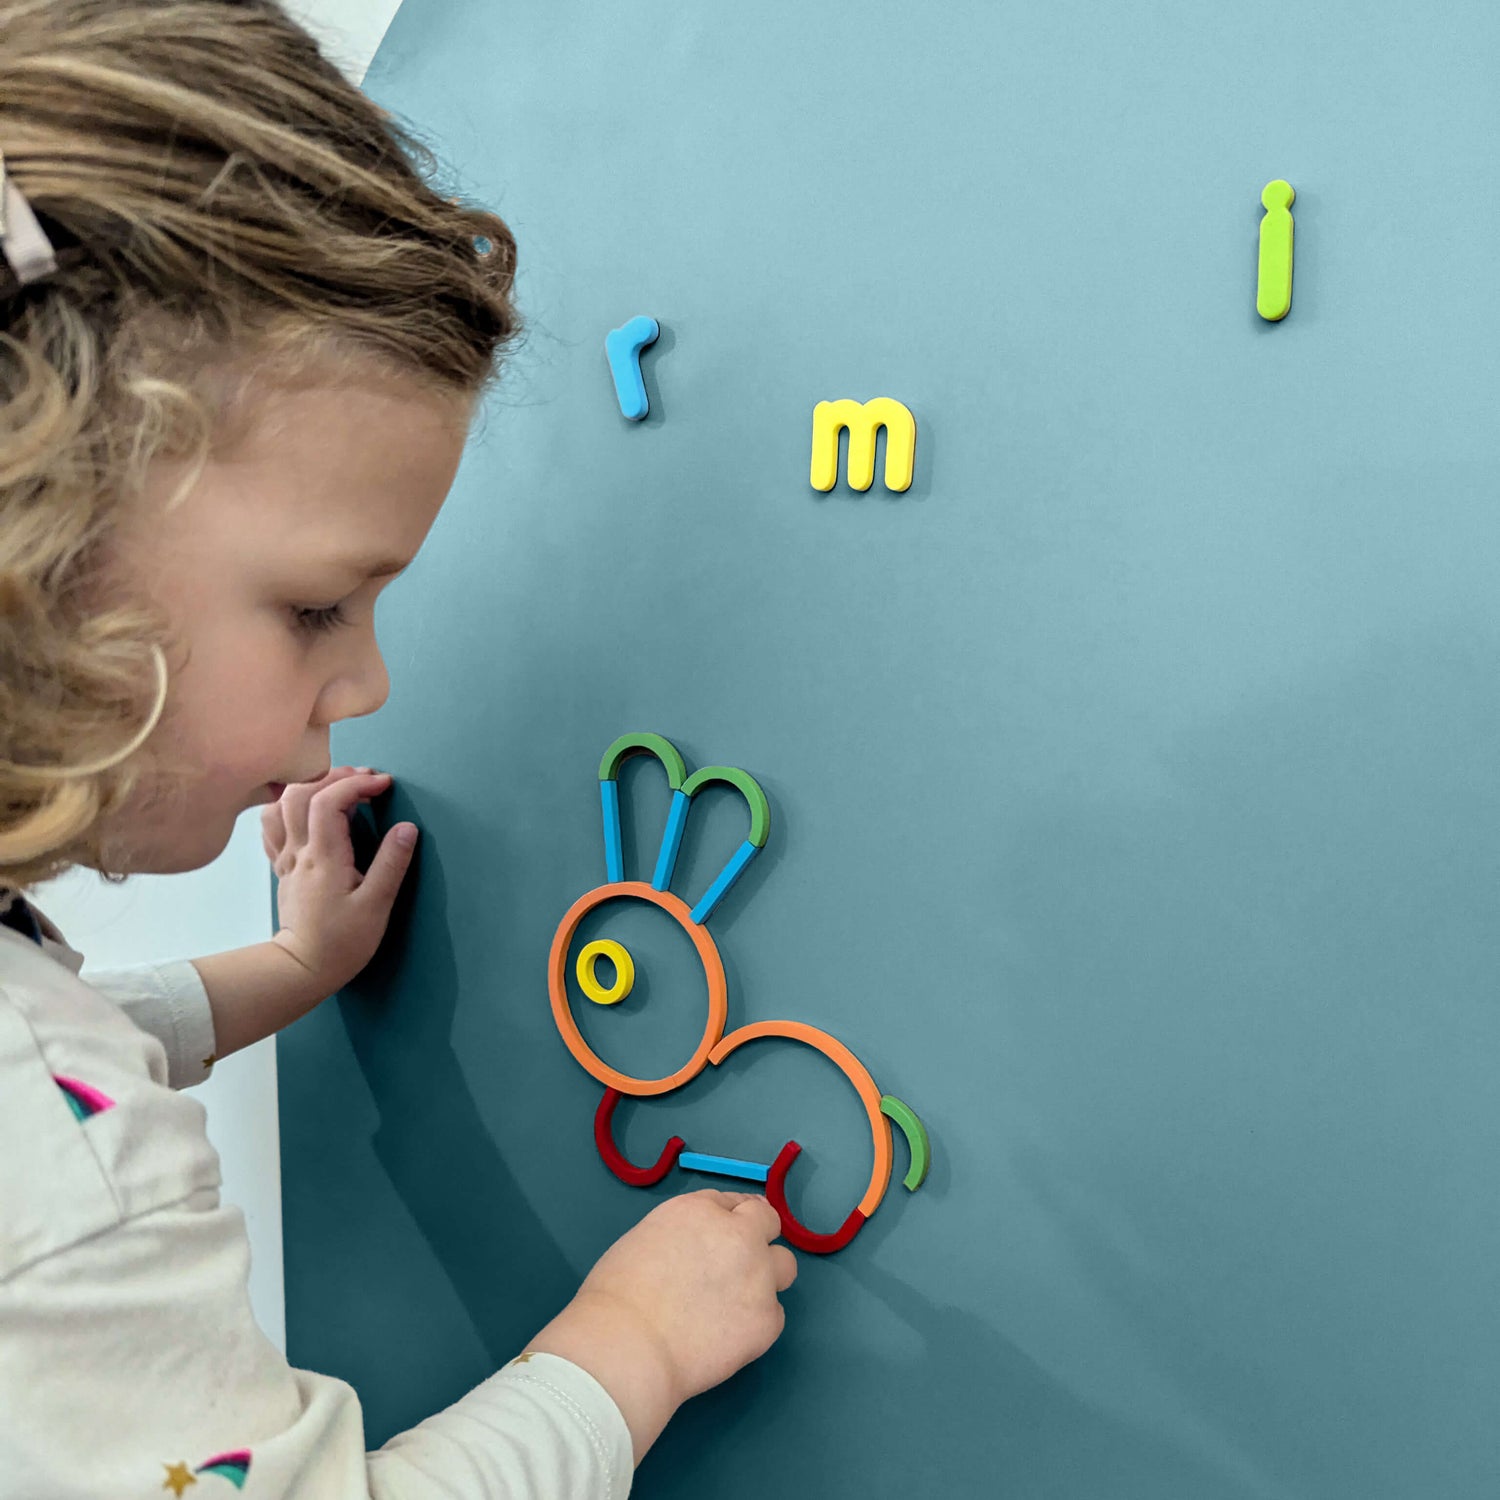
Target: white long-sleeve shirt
{"type": "Point", "coordinates": [130, 1363]}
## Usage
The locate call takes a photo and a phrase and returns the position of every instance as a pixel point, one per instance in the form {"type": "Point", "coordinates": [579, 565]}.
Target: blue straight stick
{"type": "Point", "coordinates": [671, 841]}
{"type": "Point", "coordinates": [614, 860]}
{"type": "Point", "coordinates": [723, 1166]}
{"type": "Point", "coordinates": [727, 877]}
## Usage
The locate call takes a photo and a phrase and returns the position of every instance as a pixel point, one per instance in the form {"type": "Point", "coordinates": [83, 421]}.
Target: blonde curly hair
{"type": "Point", "coordinates": [217, 193]}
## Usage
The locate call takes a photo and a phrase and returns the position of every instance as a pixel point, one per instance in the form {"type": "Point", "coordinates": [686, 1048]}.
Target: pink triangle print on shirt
{"type": "Point", "coordinates": [84, 1098]}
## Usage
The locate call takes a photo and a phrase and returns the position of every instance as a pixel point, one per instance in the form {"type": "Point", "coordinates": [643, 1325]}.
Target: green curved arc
{"type": "Point", "coordinates": [916, 1139]}
{"type": "Point", "coordinates": [747, 786]}
{"type": "Point", "coordinates": [649, 744]}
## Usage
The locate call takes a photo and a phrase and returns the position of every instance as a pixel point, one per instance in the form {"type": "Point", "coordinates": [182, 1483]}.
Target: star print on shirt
{"type": "Point", "coordinates": [233, 1466]}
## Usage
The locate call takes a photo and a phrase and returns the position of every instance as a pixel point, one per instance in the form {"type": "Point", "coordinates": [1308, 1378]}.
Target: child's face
{"type": "Point", "coordinates": [329, 484]}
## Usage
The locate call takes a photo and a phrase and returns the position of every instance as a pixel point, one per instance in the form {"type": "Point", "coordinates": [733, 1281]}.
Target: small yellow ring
{"type": "Point", "coordinates": [588, 980]}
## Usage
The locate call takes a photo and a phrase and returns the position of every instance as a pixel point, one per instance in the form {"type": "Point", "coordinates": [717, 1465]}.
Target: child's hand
{"type": "Point", "coordinates": [702, 1274]}
{"type": "Point", "coordinates": [676, 1305]}
{"type": "Point", "coordinates": [331, 917]}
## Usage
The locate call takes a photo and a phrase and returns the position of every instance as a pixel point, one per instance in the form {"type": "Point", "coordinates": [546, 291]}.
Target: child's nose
{"type": "Point", "coordinates": [360, 686]}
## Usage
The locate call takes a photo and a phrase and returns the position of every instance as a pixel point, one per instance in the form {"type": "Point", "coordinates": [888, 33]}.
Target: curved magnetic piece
{"type": "Point", "coordinates": [588, 975]}
{"type": "Point", "coordinates": [793, 1230]}
{"type": "Point", "coordinates": [713, 969]}
{"type": "Point", "coordinates": [857, 1074]}
{"type": "Point", "coordinates": [644, 744]}
{"type": "Point", "coordinates": [917, 1144]}
{"type": "Point", "coordinates": [747, 786]}
{"type": "Point", "coordinates": [615, 1159]}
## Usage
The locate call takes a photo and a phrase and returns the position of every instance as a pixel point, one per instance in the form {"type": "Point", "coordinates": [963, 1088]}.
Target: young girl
{"type": "Point", "coordinates": [241, 340]}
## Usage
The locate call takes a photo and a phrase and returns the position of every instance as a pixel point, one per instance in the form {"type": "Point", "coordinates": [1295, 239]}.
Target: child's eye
{"type": "Point", "coordinates": [316, 621]}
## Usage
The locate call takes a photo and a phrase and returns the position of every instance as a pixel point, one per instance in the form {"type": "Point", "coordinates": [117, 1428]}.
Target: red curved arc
{"type": "Point", "coordinates": [614, 1158]}
{"type": "Point", "coordinates": [793, 1230]}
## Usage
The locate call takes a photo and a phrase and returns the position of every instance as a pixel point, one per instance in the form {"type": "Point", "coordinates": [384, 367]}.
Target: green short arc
{"type": "Point", "coordinates": [916, 1139]}
{"type": "Point", "coordinates": [648, 744]}
{"type": "Point", "coordinates": [747, 786]}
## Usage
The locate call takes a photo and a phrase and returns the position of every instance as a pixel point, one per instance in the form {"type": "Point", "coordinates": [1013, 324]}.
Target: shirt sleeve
{"type": "Point", "coordinates": [168, 1001]}
{"type": "Point", "coordinates": [132, 1364]}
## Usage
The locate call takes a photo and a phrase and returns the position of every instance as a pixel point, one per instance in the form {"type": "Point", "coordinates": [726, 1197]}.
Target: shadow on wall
{"type": "Point", "coordinates": [972, 1414]}
{"type": "Point", "coordinates": [432, 1139]}
{"type": "Point", "coordinates": [432, 1150]}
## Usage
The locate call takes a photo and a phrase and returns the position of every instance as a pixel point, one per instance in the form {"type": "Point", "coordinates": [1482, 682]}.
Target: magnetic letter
{"type": "Point", "coordinates": [829, 417]}
{"type": "Point", "coordinates": [1273, 295]}
{"type": "Point", "coordinates": [622, 346]}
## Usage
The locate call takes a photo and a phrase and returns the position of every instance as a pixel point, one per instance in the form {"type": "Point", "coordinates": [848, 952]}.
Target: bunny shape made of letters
{"type": "Point", "coordinates": [714, 1046]}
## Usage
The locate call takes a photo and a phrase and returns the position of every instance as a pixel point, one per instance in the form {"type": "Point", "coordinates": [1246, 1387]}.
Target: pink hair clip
{"type": "Point", "coordinates": [23, 241]}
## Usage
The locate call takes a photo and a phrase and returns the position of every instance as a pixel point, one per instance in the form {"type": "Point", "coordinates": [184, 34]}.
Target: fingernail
{"type": "Point", "coordinates": [406, 835]}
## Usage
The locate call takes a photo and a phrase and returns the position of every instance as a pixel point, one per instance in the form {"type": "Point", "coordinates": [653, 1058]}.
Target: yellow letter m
{"type": "Point", "coordinates": [830, 417]}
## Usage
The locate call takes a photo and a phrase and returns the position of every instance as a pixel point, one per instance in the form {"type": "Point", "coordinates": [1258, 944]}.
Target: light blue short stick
{"type": "Point", "coordinates": [723, 1166]}
{"type": "Point", "coordinates": [671, 841]}
{"type": "Point", "coordinates": [614, 859]}
{"type": "Point", "coordinates": [727, 877]}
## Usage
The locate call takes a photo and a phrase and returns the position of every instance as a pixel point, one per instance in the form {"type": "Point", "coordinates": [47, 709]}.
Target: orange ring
{"type": "Point", "coordinates": [854, 1070]}
{"type": "Point", "coordinates": [713, 967]}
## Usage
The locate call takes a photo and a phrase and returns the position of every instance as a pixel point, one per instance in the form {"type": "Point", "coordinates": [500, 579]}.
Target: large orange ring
{"type": "Point", "coordinates": [854, 1070]}
{"type": "Point", "coordinates": [713, 968]}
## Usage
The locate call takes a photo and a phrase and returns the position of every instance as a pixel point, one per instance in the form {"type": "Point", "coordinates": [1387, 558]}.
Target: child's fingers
{"type": "Point", "coordinates": [387, 870]}
{"type": "Point", "coordinates": [783, 1267]}
{"type": "Point", "coordinates": [272, 831]}
{"type": "Point", "coordinates": [329, 809]}
{"type": "Point", "coordinates": [760, 1213]}
{"type": "Point", "coordinates": [296, 802]}
{"type": "Point", "coordinates": [724, 1199]}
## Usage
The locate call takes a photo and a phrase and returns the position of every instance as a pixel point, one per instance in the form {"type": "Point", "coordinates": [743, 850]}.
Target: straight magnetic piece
{"type": "Point", "coordinates": [723, 1166]}
{"type": "Point", "coordinates": [727, 877]}
{"type": "Point", "coordinates": [614, 858]}
{"type": "Point", "coordinates": [671, 842]}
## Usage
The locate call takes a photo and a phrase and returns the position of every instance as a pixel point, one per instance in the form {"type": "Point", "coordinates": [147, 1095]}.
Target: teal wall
{"type": "Point", "coordinates": [1132, 776]}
